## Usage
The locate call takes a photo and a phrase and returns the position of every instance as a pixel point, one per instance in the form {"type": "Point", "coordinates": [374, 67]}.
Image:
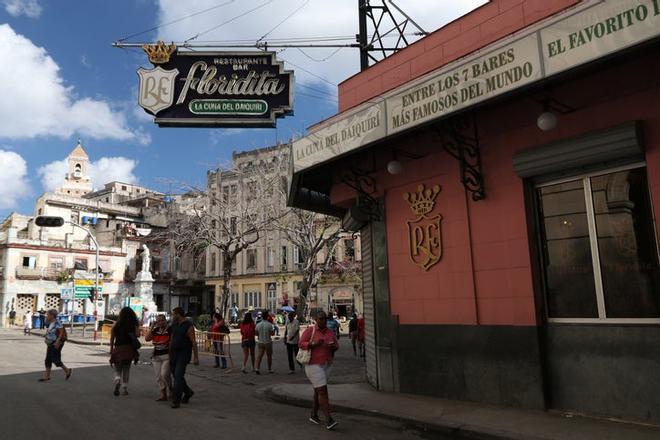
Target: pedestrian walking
{"type": "Point", "coordinates": [333, 324]}
{"type": "Point", "coordinates": [248, 331]}
{"type": "Point", "coordinates": [353, 332]}
{"type": "Point", "coordinates": [291, 339]}
{"type": "Point", "coordinates": [42, 319]}
{"type": "Point", "coordinates": [55, 338]}
{"type": "Point", "coordinates": [361, 336]}
{"type": "Point", "coordinates": [159, 335]}
{"type": "Point", "coordinates": [265, 331]}
{"type": "Point", "coordinates": [269, 316]}
{"type": "Point", "coordinates": [12, 318]}
{"type": "Point", "coordinates": [182, 347]}
{"type": "Point", "coordinates": [217, 332]}
{"type": "Point", "coordinates": [27, 323]}
{"type": "Point", "coordinates": [124, 346]}
{"type": "Point", "coordinates": [322, 342]}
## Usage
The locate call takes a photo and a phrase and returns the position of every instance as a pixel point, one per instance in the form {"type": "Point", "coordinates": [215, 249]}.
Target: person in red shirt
{"type": "Point", "coordinates": [159, 335]}
{"type": "Point", "coordinates": [361, 335]}
{"type": "Point", "coordinates": [248, 331]}
{"type": "Point", "coordinates": [322, 342]}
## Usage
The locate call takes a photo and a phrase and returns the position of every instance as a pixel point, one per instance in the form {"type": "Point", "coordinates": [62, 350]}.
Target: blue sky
{"type": "Point", "coordinates": [62, 80]}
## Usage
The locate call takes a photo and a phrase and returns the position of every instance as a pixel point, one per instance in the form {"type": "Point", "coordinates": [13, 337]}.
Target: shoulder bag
{"type": "Point", "coordinates": [304, 356]}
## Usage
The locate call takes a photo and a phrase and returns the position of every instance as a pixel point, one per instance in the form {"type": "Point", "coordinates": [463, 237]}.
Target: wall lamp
{"type": "Point", "coordinates": [547, 120]}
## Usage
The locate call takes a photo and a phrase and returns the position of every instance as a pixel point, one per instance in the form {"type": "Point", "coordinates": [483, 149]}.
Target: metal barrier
{"type": "Point", "coordinates": [206, 347]}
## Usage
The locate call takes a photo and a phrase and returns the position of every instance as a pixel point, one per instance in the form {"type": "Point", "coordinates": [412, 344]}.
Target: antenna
{"type": "Point", "coordinates": [379, 13]}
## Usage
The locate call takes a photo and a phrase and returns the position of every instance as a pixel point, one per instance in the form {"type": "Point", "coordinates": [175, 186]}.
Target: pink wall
{"type": "Point", "coordinates": [483, 26]}
{"type": "Point", "coordinates": [484, 276]}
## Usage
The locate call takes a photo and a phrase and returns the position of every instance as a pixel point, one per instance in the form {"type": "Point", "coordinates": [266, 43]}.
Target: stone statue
{"type": "Point", "coordinates": [146, 259]}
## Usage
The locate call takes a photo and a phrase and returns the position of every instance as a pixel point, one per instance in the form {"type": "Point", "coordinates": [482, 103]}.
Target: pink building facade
{"type": "Point", "coordinates": [504, 173]}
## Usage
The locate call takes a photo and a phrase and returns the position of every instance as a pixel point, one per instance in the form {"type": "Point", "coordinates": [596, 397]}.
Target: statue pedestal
{"type": "Point", "coordinates": [144, 290]}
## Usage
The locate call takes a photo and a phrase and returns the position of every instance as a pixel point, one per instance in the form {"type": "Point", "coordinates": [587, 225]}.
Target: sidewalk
{"type": "Point", "coordinates": [462, 419]}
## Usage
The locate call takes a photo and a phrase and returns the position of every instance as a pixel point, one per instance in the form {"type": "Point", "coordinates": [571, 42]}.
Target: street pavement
{"type": "Point", "coordinates": [225, 403]}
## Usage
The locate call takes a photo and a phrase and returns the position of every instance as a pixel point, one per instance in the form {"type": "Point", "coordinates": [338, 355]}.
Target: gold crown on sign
{"type": "Point", "coordinates": [422, 201]}
{"type": "Point", "coordinates": [160, 52]}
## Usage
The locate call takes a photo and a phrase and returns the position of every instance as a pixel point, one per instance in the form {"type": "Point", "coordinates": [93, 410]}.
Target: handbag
{"type": "Point", "coordinates": [135, 342]}
{"type": "Point", "coordinates": [304, 356]}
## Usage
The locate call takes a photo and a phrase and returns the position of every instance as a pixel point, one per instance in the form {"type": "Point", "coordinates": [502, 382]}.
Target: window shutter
{"type": "Point", "coordinates": [618, 145]}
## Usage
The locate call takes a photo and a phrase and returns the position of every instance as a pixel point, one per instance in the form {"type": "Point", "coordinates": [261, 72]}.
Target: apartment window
{"type": "Point", "coordinates": [232, 225]}
{"type": "Point", "coordinates": [234, 299]}
{"type": "Point", "coordinates": [271, 257]}
{"type": "Point", "coordinates": [251, 190]}
{"type": "Point", "coordinates": [123, 187]}
{"type": "Point", "coordinates": [297, 257]}
{"type": "Point", "coordinates": [284, 259]}
{"type": "Point", "coordinates": [225, 194]}
{"type": "Point", "coordinates": [349, 248]}
{"type": "Point", "coordinates": [80, 263]}
{"type": "Point", "coordinates": [29, 262]}
{"type": "Point", "coordinates": [599, 248]}
{"type": "Point", "coordinates": [213, 263]}
{"type": "Point", "coordinates": [56, 263]}
{"type": "Point", "coordinates": [252, 299]}
{"type": "Point", "coordinates": [272, 296]}
{"type": "Point", "coordinates": [251, 258]}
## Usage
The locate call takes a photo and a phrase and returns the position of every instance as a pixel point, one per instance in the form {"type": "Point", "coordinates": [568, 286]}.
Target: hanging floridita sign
{"type": "Point", "coordinates": [214, 89]}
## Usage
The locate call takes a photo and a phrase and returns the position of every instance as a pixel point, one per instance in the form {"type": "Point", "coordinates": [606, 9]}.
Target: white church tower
{"type": "Point", "coordinates": [77, 182]}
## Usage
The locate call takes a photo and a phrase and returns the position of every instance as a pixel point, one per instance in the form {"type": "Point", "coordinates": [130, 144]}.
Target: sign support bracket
{"type": "Point", "coordinates": [459, 137]}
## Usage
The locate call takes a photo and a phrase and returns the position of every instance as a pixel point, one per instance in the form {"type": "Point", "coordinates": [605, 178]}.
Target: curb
{"type": "Point", "coordinates": [444, 428]}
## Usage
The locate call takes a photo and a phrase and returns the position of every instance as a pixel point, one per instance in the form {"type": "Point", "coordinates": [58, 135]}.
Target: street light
{"type": "Point", "coordinates": [56, 222]}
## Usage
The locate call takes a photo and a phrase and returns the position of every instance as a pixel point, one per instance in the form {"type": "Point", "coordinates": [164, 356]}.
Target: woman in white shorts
{"type": "Point", "coordinates": [323, 343]}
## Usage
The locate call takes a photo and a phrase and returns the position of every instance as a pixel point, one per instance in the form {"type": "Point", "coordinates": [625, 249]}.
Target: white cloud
{"type": "Point", "coordinates": [36, 101]}
{"type": "Point", "coordinates": [107, 169]}
{"type": "Point", "coordinates": [14, 183]}
{"type": "Point", "coordinates": [102, 171]}
{"type": "Point", "coordinates": [316, 18]}
{"type": "Point", "coordinates": [85, 62]}
{"type": "Point", "coordinates": [31, 8]}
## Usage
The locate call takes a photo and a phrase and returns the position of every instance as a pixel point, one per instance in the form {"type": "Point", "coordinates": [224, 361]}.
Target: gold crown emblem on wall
{"type": "Point", "coordinates": [160, 52]}
{"type": "Point", "coordinates": [422, 201]}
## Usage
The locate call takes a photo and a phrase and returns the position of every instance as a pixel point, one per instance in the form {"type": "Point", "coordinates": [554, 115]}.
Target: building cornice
{"type": "Point", "coordinates": [33, 247]}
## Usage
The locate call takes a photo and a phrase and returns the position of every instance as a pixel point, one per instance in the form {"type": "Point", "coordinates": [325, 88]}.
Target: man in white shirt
{"type": "Point", "coordinates": [291, 338]}
{"type": "Point", "coordinates": [27, 322]}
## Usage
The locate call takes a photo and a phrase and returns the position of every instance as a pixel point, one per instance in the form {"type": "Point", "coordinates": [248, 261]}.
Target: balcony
{"type": "Point", "coordinates": [29, 273]}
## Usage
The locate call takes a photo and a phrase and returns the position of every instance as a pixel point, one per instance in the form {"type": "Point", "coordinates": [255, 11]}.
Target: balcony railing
{"type": "Point", "coordinates": [29, 273]}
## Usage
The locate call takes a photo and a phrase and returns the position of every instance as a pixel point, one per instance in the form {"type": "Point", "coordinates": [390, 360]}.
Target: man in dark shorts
{"type": "Point", "coordinates": [182, 346]}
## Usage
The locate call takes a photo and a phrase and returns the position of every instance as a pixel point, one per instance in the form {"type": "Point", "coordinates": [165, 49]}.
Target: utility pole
{"type": "Point", "coordinates": [362, 37]}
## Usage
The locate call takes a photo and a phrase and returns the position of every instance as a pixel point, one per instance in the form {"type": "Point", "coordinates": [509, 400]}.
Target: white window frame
{"type": "Point", "coordinates": [271, 257]}
{"type": "Point", "coordinates": [595, 253]}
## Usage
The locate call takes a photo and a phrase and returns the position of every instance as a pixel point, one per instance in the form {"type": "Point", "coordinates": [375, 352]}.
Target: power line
{"type": "Point", "coordinates": [322, 59]}
{"type": "Point", "coordinates": [229, 21]}
{"type": "Point", "coordinates": [311, 73]}
{"type": "Point", "coordinates": [179, 19]}
{"type": "Point", "coordinates": [323, 98]}
{"type": "Point", "coordinates": [285, 19]}
{"type": "Point", "coordinates": [321, 91]}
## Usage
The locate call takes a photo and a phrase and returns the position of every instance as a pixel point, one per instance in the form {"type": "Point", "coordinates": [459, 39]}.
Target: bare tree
{"type": "Point", "coordinates": [316, 237]}
{"type": "Point", "coordinates": [231, 214]}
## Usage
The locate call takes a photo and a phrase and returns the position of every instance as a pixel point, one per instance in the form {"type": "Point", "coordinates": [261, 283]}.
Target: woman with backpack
{"type": "Point", "coordinates": [124, 346]}
{"type": "Point", "coordinates": [55, 338]}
